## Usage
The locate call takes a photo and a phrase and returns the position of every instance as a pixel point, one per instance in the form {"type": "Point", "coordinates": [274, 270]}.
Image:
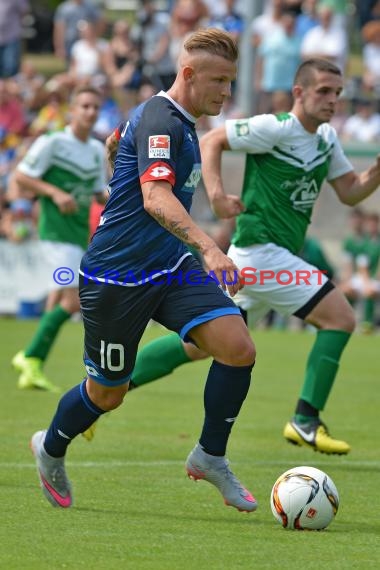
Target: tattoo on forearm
{"type": "Point", "coordinates": [176, 229]}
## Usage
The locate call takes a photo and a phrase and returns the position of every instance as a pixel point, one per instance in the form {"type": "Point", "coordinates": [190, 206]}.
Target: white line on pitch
{"type": "Point", "coordinates": [115, 464]}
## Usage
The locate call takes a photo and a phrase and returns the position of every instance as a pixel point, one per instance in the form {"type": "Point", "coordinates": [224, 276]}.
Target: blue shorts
{"type": "Point", "coordinates": [115, 317]}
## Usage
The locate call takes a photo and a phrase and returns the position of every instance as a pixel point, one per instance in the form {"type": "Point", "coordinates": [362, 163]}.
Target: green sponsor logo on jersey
{"type": "Point", "coordinates": [242, 128]}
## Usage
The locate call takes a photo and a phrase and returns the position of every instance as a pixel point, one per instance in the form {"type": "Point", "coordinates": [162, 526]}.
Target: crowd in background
{"type": "Point", "coordinates": [130, 60]}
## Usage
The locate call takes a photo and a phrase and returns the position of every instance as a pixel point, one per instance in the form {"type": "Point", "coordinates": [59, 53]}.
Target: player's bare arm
{"type": "Point", "coordinates": [212, 145]}
{"type": "Point", "coordinates": [64, 201]}
{"type": "Point", "coordinates": [352, 188]}
{"type": "Point", "coordinates": [164, 207]}
{"type": "Point", "coordinates": [112, 142]}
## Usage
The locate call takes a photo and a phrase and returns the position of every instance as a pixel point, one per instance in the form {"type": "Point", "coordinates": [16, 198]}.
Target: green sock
{"type": "Point", "coordinates": [158, 358]}
{"type": "Point", "coordinates": [47, 331]}
{"type": "Point", "coordinates": [369, 310]}
{"type": "Point", "coordinates": [322, 367]}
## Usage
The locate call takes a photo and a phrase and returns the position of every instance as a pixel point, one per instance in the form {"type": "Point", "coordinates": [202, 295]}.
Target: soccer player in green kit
{"type": "Point", "coordinates": [288, 157]}
{"type": "Point", "coordinates": [65, 169]}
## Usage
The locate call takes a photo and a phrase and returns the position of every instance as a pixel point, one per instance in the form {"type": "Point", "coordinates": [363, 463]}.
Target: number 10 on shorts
{"type": "Point", "coordinates": [110, 354]}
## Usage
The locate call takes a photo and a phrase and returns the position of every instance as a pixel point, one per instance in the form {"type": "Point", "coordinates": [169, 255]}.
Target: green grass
{"type": "Point", "coordinates": [135, 508]}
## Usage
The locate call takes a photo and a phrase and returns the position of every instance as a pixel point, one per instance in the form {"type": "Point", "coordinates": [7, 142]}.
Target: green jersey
{"type": "Point", "coordinates": [284, 171]}
{"type": "Point", "coordinates": [74, 166]}
{"type": "Point", "coordinates": [354, 249]}
{"type": "Point", "coordinates": [371, 250]}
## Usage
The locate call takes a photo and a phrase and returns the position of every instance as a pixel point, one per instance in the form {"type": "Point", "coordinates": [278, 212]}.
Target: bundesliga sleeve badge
{"type": "Point", "coordinates": [159, 146]}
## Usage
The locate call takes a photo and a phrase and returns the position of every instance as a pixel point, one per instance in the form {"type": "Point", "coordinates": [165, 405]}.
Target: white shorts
{"type": "Point", "coordinates": [63, 261]}
{"type": "Point", "coordinates": [274, 279]}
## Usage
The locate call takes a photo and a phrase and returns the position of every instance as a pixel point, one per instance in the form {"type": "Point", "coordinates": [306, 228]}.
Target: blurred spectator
{"type": "Point", "coordinates": [30, 84]}
{"type": "Point", "coordinates": [110, 114]}
{"type": "Point", "coordinates": [186, 16]}
{"type": "Point", "coordinates": [342, 113]}
{"type": "Point", "coordinates": [230, 21]}
{"type": "Point", "coordinates": [11, 14]}
{"type": "Point", "coordinates": [53, 114]}
{"type": "Point", "coordinates": [279, 57]}
{"type": "Point", "coordinates": [267, 23]}
{"type": "Point", "coordinates": [364, 124]}
{"type": "Point", "coordinates": [152, 36]}
{"type": "Point", "coordinates": [66, 18]}
{"type": "Point", "coordinates": [123, 63]}
{"type": "Point", "coordinates": [12, 112]}
{"type": "Point", "coordinates": [308, 18]}
{"type": "Point", "coordinates": [362, 255]}
{"type": "Point", "coordinates": [146, 90]}
{"type": "Point", "coordinates": [371, 56]}
{"type": "Point", "coordinates": [89, 53]}
{"type": "Point", "coordinates": [367, 10]}
{"type": "Point", "coordinates": [215, 9]}
{"type": "Point", "coordinates": [326, 40]}
{"type": "Point", "coordinates": [281, 102]}
{"type": "Point", "coordinates": [18, 222]}
{"type": "Point", "coordinates": [339, 9]}
{"type": "Point", "coordinates": [8, 153]}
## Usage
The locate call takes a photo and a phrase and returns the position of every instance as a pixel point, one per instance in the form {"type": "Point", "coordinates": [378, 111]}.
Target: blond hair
{"type": "Point", "coordinates": [213, 41]}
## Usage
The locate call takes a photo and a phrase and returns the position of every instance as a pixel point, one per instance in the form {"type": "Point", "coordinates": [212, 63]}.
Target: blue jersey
{"type": "Point", "coordinates": [129, 247]}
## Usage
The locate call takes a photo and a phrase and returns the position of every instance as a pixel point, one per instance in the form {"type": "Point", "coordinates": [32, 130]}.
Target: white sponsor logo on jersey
{"type": "Point", "coordinates": [194, 178]}
{"type": "Point", "coordinates": [160, 172]}
{"type": "Point", "coordinates": [304, 194]}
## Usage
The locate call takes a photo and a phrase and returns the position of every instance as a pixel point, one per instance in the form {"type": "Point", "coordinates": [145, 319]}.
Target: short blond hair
{"type": "Point", "coordinates": [213, 41]}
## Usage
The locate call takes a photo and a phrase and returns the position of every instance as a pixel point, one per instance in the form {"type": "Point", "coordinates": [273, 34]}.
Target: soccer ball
{"type": "Point", "coordinates": [304, 498]}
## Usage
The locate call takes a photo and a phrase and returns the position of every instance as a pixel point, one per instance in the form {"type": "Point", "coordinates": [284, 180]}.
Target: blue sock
{"type": "Point", "coordinates": [225, 391]}
{"type": "Point", "coordinates": [75, 413]}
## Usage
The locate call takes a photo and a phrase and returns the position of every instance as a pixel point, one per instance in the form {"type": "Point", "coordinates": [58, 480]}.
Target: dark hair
{"type": "Point", "coordinates": [213, 41]}
{"type": "Point", "coordinates": [305, 72]}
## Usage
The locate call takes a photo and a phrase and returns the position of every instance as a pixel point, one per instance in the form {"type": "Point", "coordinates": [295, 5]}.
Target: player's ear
{"type": "Point", "coordinates": [296, 91]}
{"type": "Point", "coordinates": [188, 72]}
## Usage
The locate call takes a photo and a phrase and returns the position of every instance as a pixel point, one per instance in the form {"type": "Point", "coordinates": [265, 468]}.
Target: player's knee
{"type": "Point", "coordinates": [346, 320]}
{"type": "Point", "coordinates": [105, 398]}
{"type": "Point", "coordinates": [193, 352]}
{"type": "Point", "coordinates": [241, 353]}
{"type": "Point", "coordinates": [350, 322]}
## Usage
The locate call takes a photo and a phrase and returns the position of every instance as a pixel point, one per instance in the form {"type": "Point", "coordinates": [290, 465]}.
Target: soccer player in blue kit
{"type": "Point", "coordinates": [138, 267]}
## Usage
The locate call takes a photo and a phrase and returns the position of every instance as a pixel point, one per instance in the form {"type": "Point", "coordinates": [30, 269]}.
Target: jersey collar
{"type": "Point", "coordinates": [181, 109]}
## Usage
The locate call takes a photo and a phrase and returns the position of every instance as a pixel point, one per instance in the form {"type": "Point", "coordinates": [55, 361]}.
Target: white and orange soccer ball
{"type": "Point", "coordinates": [304, 498]}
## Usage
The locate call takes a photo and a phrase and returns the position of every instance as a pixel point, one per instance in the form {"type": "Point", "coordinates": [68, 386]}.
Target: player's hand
{"type": "Point", "coordinates": [224, 269]}
{"type": "Point", "coordinates": [227, 206]}
{"type": "Point", "coordinates": [65, 202]}
{"type": "Point", "coordinates": [375, 169]}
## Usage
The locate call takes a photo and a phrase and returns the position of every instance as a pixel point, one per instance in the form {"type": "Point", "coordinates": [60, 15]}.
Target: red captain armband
{"type": "Point", "coordinates": [158, 171]}
{"type": "Point", "coordinates": [117, 133]}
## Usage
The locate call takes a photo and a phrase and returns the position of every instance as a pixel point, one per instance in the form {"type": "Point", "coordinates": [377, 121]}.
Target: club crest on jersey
{"type": "Point", "coordinates": [159, 146]}
{"type": "Point", "coordinates": [241, 128]}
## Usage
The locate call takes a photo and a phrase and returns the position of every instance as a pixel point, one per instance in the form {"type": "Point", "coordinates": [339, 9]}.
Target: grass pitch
{"type": "Point", "coordinates": [134, 507]}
